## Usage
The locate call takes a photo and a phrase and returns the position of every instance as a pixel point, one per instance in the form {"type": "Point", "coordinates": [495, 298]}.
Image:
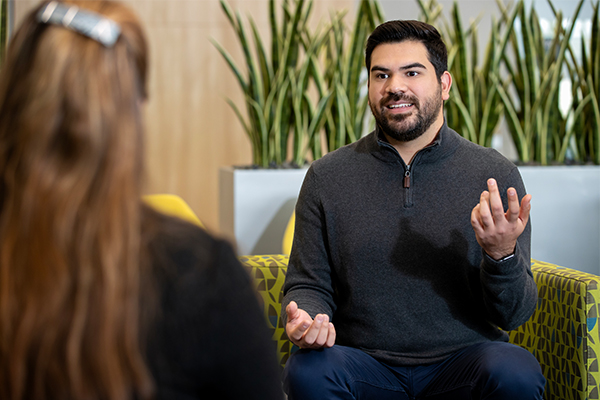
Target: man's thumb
{"type": "Point", "coordinates": [292, 310]}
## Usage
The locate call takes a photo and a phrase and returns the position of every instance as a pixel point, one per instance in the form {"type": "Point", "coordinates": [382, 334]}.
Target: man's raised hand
{"type": "Point", "coordinates": [497, 231]}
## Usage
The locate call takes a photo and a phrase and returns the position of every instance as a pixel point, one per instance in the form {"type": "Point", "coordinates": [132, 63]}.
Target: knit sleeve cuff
{"type": "Point", "coordinates": [508, 264]}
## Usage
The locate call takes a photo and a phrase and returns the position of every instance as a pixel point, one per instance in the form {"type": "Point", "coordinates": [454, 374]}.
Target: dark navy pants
{"type": "Point", "coordinates": [491, 370]}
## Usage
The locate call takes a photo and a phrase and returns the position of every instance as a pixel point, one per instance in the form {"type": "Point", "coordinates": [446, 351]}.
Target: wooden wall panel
{"type": "Point", "coordinates": [191, 130]}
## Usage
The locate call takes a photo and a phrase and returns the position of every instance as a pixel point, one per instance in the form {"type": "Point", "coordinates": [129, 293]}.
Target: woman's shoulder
{"type": "Point", "coordinates": [178, 248]}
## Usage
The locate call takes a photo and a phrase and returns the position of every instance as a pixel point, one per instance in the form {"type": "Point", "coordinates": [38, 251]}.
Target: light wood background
{"type": "Point", "coordinates": [191, 130]}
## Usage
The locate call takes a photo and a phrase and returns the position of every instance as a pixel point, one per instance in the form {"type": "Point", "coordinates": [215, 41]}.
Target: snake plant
{"type": "Point", "coordinates": [292, 98]}
{"type": "Point", "coordinates": [274, 82]}
{"type": "Point", "coordinates": [584, 133]}
{"type": "Point", "coordinates": [345, 77]}
{"type": "Point", "coordinates": [475, 107]}
{"type": "Point", "coordinates": [531, 100]}
{"type": "Point", "coordinates": [518, 80]}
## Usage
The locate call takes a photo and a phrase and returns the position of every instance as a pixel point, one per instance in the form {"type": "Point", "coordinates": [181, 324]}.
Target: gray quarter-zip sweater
{"type": "Point", "coordinates": [388, 252]}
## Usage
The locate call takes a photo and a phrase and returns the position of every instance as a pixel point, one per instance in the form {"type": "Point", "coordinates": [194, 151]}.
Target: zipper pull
{"type": "Point", "coordinates": [407, 178]}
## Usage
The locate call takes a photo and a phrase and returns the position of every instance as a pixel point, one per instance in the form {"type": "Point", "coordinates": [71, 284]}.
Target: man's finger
{"type": "Point", "coordinates": [476, 222]}
{"type": "Point", "coordinates": [495, 200]}
{"type": "Point", "coordinates": [323, 332]}
{"type": "Point", "coordinates": [512, 215]}
{"type": "Point", "coordinates": [525, 209]}
{"type": "Point", "coordinates": [297, 331]}
{"type": "Point", "coordinates": [331, 336]}
{"type": "Point", "coordinates": [485, 215]}
{"type": "Point", "coordinates": [298, 322]}
{"type": "Point", "coordinates": [311, 335]}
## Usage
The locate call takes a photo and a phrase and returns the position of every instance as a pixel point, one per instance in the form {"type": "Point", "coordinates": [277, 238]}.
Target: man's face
{"type": "Point", "coordinates": [405, 95]}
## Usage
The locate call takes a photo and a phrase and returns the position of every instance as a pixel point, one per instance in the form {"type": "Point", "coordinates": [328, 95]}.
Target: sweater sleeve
{"type": "Point", "coordinates": [509, 290]}
{"type": "Point", "coordinates": [309, 277]}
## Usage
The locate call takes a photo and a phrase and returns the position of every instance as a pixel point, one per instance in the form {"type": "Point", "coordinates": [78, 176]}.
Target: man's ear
{"type": "Point", "coordinates": [446, 81]}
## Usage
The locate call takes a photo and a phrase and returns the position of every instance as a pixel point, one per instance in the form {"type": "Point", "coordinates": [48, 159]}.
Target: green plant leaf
{"type": "Point", "coordinates": [569, 132]}
{"type": "Point", "coordinates": [513, 121]}
{"type": "Point", "coordinates": [232, 65]}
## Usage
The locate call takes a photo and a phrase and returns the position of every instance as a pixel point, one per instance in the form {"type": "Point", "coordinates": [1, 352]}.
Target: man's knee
{"type": "Point", "coordinates": [313, 370]}
{"type": "Point", "coordinates": [306, 365]}
{"type": "Point", "coordinates": [513, 371]}
{"type": "Point", "coordinates": [506, 359]}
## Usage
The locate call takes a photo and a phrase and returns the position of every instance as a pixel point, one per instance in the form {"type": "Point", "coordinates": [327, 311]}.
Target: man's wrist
{"type": "Point", "coordinates": [501, 259]}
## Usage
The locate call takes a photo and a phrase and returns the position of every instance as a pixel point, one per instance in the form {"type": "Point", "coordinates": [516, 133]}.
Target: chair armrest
{"type": "Point", "coordinates": [563, 332]}
{"type": "Point", "coordinates": [268, 273]}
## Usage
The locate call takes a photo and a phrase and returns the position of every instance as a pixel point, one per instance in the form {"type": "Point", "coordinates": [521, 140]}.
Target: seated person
{"type": "Point", "coordinates": [405, 263]}
{"type": "Point", "coordinates": [100, 296]}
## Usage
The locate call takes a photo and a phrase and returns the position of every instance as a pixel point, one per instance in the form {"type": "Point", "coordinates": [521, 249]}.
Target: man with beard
{"type": "Point", "coordinates": [411, 251]}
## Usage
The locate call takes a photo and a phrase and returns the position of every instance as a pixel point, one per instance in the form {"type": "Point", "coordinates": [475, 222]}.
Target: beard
{"type": "Point", "coordinates": [407, 127]}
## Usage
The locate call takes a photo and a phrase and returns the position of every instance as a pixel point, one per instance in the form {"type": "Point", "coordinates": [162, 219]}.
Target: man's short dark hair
{"type": "Point", "coordinates": [404, 30]}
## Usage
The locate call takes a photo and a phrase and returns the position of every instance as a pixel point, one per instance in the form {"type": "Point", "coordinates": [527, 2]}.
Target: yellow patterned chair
{"type": "Point", "coordinates": [562, 333]}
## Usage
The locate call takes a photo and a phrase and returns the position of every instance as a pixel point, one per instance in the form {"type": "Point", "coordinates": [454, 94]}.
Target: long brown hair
{"type": "Point", "coordinates": [70, 174]}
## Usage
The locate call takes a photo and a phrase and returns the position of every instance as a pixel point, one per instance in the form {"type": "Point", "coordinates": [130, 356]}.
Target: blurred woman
{"type": "Point", "coordinates": [100, 297]}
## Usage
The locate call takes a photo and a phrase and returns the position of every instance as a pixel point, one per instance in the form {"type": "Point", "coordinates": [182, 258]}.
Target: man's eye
{"type": "Point", "coordinates": [382, 76]}
{"type": "Point", "coordinates": [412, 73]}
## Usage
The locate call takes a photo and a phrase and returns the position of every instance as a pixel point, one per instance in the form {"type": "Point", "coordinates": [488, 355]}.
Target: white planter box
{"type": "Point", "coordinates": [256, 205]}
{"type": "Point", "coordinates": [565, 215]}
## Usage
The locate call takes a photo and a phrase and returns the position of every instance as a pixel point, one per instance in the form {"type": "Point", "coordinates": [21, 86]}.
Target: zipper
{"type": "Point", "coordinates": [408, 202]}
{"type": "Point", "coordinates": [407, 177]}
{"type": "Point", "coordinates": [406, 184]}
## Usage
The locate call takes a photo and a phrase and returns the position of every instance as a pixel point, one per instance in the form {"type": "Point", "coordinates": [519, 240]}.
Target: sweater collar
{"type": "Point", "coordinates": [444, 143]}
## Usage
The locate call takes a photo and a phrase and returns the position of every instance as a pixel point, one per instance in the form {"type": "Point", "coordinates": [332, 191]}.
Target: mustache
{"type": "Point", "coordinates": [394, 97]}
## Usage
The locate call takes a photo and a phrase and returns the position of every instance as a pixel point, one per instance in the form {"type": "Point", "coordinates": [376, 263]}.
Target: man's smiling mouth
{"type": "Point", "coordinates": [400, 105]}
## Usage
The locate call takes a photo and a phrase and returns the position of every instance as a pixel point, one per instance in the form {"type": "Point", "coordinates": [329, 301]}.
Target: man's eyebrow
{"type": "Point", "coordinates": [402, 68]}
{"type": "Point", "coordinates": [379, 68]}
{"type": "Point", "coordinates": [413, 65]}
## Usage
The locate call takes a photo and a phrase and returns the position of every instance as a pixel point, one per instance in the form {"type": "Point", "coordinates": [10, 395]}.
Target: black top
{"type": "Point", "coordinates": [209, 339]}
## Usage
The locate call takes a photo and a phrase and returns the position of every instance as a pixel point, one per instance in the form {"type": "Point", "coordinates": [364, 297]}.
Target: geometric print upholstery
{"type": "Point", "coordinates": [563, 333]}
{"type": "Point", "coordinates": [268, 273]}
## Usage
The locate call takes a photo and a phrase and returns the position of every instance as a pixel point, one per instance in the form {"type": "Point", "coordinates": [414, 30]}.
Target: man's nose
{"type": "Point", "coordinates": [396, 85]}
